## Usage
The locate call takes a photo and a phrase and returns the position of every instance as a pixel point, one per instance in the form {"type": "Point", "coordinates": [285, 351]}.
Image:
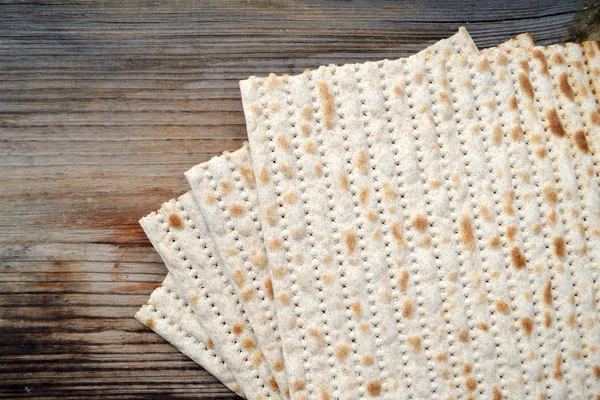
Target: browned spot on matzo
{"type": "Point", "coordinates": [237, 210]}
{"type": "Point", "coordinates": [226, 186]}
{"type": "Point", "coordinates": [374, 387]}
{"type": "Point", "coordinates": [316, 335]}
{"type": "Point", "coordinates": [527, 324]}
{"type": "Point", "coordinates": [306, 112]}
{"type": "Point", "coordinates": [518, 259]}
{"type": "Point", "coordinates": [415, 343]}
{"type": "Point", "coordinates": [298, 384]}
{"type": "Point", "coordinates": [247, 294]}
{"type": "Point", "coordinates": [407, 308]}
{"type": "Point", "coordinates": [283, 143]}
{"type": "Point", "coordinates": [239, 277]}
{"type": "Point", "coordinates": [341, 351]}
{"type": "Point", "coordinates": [558, 373]}
{"type": "Point", "coordinates": [581, 142]}
{"type": "Point", "coordinates": [286, 170]}
{"type": "Point", "coordinates": [547, 319]}
{"type": "Point", "coordinates": [328, 107]}
{"type": "Point", "coordinates": [399, 91]}
{"type": "Point", "coordinates": [275, 244]}
{"type": "Point", "coordinates": [361, 161]}
{"type": "Point", "coordinates": [537, 54]}
{"type": "Point", "coordinates": [363, 195]}
{"type": "Point", "coordinates": [291, 197]}
{"type": "Point", "coordinates": [502, 306]}
{"type": "Point", "coordinates": [210, 199]}
{"type": "Point", "coordinates": [516, 133]}
{"type": "Point", "coordinates": [248, 174]}
{"type": "Point", "coordinates": [248, 344]}
{"type": "Point", "coordinates": [256, 110]}
{"type": "Point", "coordinates": [350, 240]}
{"type": "Point", "coordinates": [550, 195]}
{"type": "Point", "coordinates": [344, 183]}
{"type": "Point", "coordinates": [264, 176]}
{"type": "Point", "coordinates": [310, 147]}
{"type": "Point", "coordinates": [555, 125]}
{"type": "Point", "coordinates": [483, 65]}
{"type": "Point", "coordinates": [463, 335]}
{"type": "Point", "coordinates": [175, 221]}
{"type": "Point", "coordinates": [278, 365]}
{"type": "Point", "coordinates": [559, 247]}
{"type": "Point", "coordinates": [497, 135]}
{"type": "Point", "coordinates": [403, 280]}
{"type": "Point", "coordinates": [495, 242]}
{"type": "Point", "coordinates": [397, 233]}
{"type": "Point", "coordinates": [269, 287]}
{"type": "Point", "coordinates": [466, 232]}
{"type": "Point", "coordinates": [271, 214]}
{"type": "Point", "coordinates": [357, 309]}
{"type": "Point", "coordinates": [420, 223]}
{"type": "Point", "coordinates": [238, 328]}
{"type": "Point", "coordinates": [471, 383]}
{"type": "Point", "coordinates": [548, 294]}
{"type": "Point", "coordinates": [525, 85]}
{"type": "Point", "coordinates": [150, 323]}
{"type": "Point", "coordinates": [512, 102]}
{"type": "Point", "coordinates": [558, 59]}
{"type": "Point", "coordinates": [565, 87]}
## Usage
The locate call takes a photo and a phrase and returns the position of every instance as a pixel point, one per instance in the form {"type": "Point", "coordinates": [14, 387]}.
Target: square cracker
{"type": "Point", "coordinates": [315, 136]}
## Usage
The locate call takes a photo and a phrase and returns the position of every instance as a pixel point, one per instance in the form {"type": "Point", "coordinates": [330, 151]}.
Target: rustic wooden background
{"type": "Point", "coordinates": [104, 105]}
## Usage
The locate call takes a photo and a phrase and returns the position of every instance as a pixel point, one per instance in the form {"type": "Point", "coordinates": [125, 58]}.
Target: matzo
{"type": "Point", "coordinates": [224, 188]}
{"type": "Point", "coordinates": [335, 273]}
{"type": "Point", "coordinates": [563, 104]}
{"type": "Point", "coordinates": [179, 234]}
{"type": "Point", "coordinates": [171, 317]}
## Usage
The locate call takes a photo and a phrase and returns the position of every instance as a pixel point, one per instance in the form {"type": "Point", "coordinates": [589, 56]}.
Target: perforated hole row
{"type": "Point", "coordinates": [494, 156]}
{"type": "Point", "coordinates": [479, 204]}
{"type": "Point", "coordinates": [462, 118]}
{"type": "Point", "coordinates": [338, 253]}
{"type": "Point", "coordinates": [361, 231]}
{"type": "Point", "coordinates": [555, 266]}
{"type": "Point", "coordinates": [504, 207]}
{"type": "Point", "coordinates": [521, 74]}
{"type": "Point", "coordinates": [204, 292]}
{"type": "Point", "coordinates": [462, 272]}
{"type": "Point", "coordinates": [544, 309]}
{"type": "Point", "coordinates": [292, 284]}
{"type": "Point", "coordinates": [590, 55]}
{"type": "Point", "coordinates": [432, 231]}
{"type": "Point", "coordinates": [577, 273]}
{"type": "Point", "coordinates": [391, 255]}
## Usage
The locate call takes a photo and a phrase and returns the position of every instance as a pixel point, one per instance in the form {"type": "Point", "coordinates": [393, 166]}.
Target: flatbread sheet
{"type": "Point", "coordinates": [315, 137]}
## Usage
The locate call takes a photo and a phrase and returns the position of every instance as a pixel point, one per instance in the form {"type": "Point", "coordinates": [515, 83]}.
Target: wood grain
{"type": "Point", "coordinates": [104, 105]}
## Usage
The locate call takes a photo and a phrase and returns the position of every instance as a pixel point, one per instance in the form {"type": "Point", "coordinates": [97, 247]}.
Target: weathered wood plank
{"type": "Point", "coordinates": [104, 105]}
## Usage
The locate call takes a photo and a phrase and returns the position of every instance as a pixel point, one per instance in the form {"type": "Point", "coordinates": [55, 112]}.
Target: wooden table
{"type": "Point", "coordinates": [104, 106]}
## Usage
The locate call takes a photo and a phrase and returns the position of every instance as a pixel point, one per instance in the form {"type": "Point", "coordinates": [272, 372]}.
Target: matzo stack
{"type": "Point", "coordinates": [180, 236]}
{"type": "Point", "coordinates": [224, 188]}
{"type": "Point", "coordinates": [171, 317]}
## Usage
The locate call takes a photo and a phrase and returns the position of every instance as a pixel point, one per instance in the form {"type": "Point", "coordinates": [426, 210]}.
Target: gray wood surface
{"type": "Point", "coordinates": [104, 105]}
